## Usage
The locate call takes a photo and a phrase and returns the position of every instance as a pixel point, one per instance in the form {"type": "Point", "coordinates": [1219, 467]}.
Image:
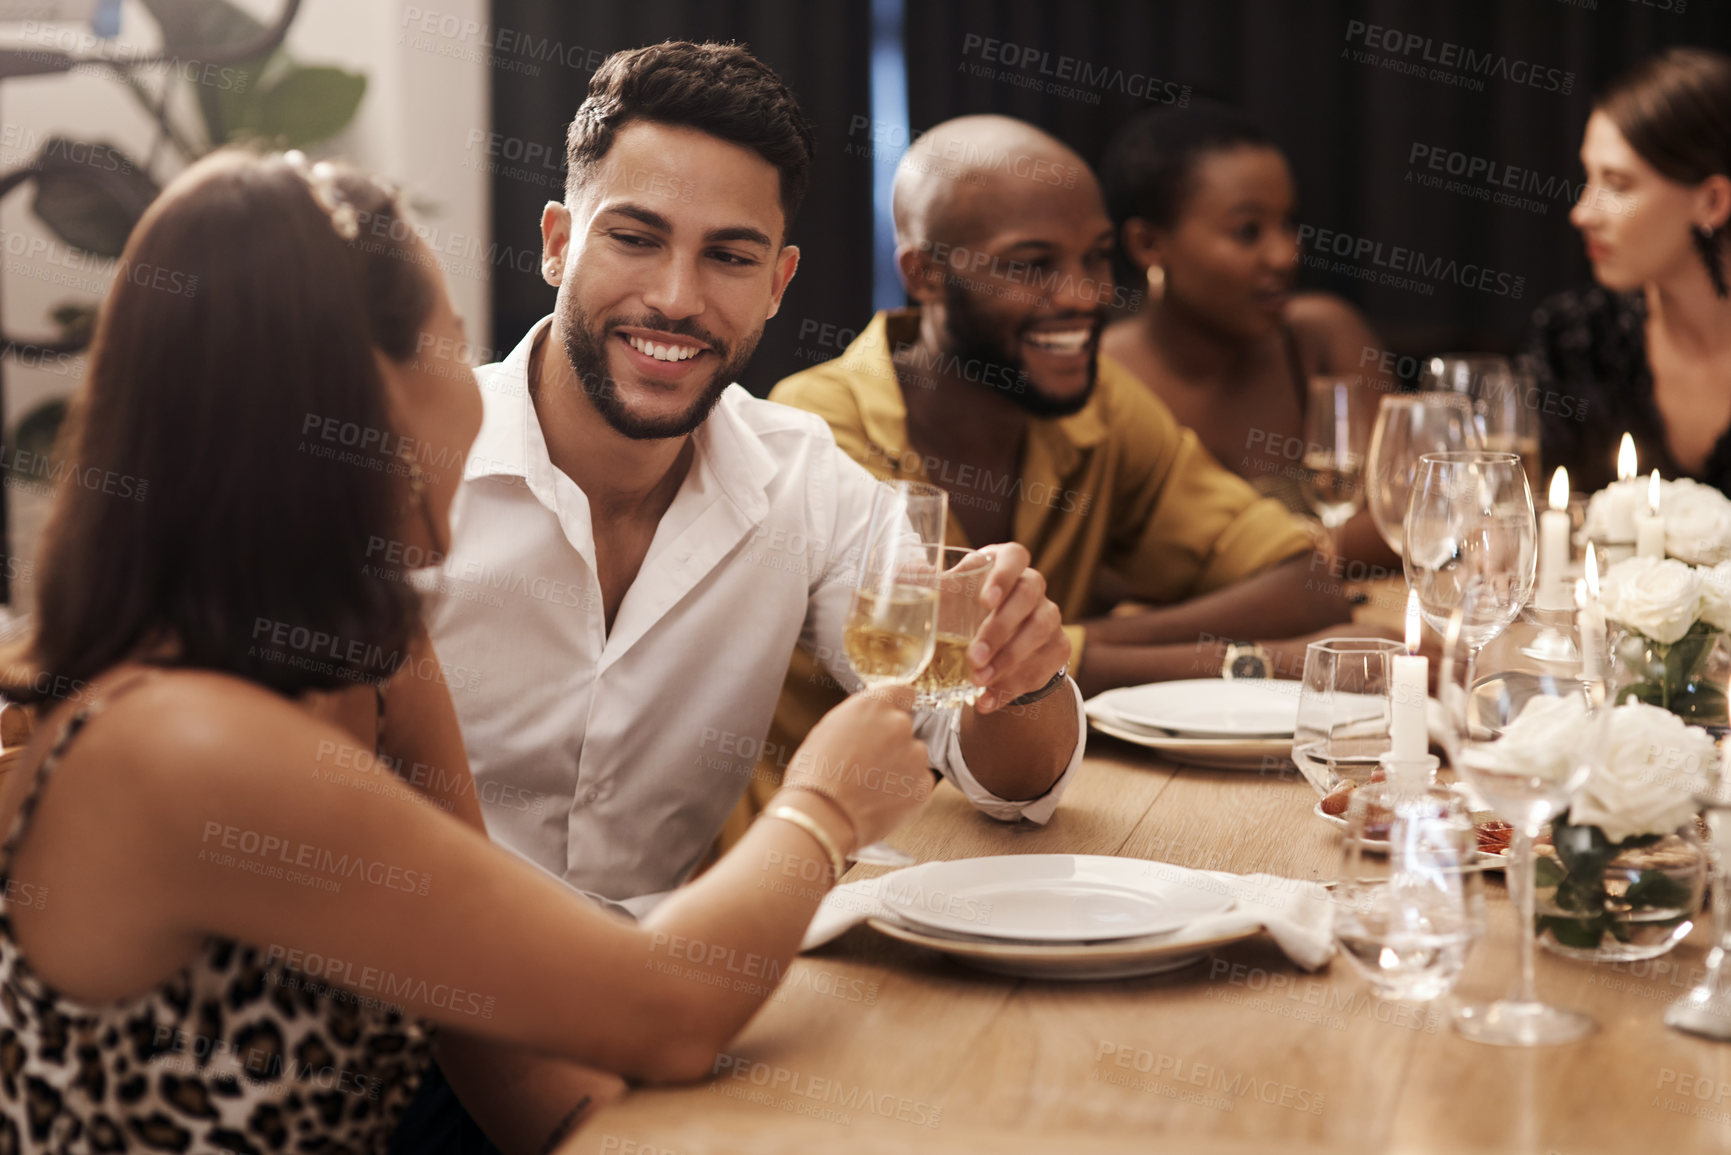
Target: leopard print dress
{"type": "Point", "coordinates": [236, 1052]}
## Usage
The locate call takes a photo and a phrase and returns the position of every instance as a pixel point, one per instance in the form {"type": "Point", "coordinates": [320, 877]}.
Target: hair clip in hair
{"type": "Point", "coordinates": [321, 179]}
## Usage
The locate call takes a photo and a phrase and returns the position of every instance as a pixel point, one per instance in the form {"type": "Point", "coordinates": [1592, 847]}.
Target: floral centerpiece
{"type": "Point", "coordinates": [1697, 518]}
{"type": "Point", "coordinates": [1624, 874]}
{"type": "Point", "coordinates": [1671, 647]}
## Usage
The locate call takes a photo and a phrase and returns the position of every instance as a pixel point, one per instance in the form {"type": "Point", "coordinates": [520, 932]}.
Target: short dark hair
{"type": "Point", "coordinates": [1149, 168]}
{"type": "Point", "coordinates": [254, 319]}
{"type": "Point", "coordinates": [719, 89]}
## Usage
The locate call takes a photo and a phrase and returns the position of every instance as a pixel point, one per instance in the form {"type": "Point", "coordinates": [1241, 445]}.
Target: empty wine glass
{"type": "Point", "coordinates": [1408, 903]}
{"type": "Point", "coordinates": [1407, 427]}
{"type": "Point", "coordinates": [1525, 742]}
{"type": "Point", "coordinates": [1336, 437]}
{"type": "Point", "coordinates": [1470, 522]}
{"type": "Point", "coordinates": [892, 621]}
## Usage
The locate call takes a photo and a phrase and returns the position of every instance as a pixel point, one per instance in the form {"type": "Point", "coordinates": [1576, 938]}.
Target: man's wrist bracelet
{"type": "Point", "coordinates": [1050, 687]}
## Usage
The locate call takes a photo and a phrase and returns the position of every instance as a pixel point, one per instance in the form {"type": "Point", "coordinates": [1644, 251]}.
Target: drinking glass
{"type": "Point", "coordinates": [1470, 522]}
{"type": "Point", "coordinates": [1498, 389]}
{"type": "Point", "coordinates": [892, 621]}
{"type": "Point", "coordinates": [1336, 437]}
{"type": "Point", "coordinates": [947, 682]}
{"type": "Point", "coordinates": [1706, 1009]}
{"type": "Point", "coordinates": [1344, 710]}
{"type": "Point", "coordinates": [1407, 427]}
{"type": "Point", "coordinates": [1408, 903]}
{"type": "Point", "coordinates": [1527, 780]}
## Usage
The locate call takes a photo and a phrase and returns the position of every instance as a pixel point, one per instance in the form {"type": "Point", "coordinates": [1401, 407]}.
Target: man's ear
{"type": "Point", "coordinates": [922, 276]}
{"type": "Point", "coordinates": [555, 241]}
{"type": "Point", "coordinates": [786, 264]}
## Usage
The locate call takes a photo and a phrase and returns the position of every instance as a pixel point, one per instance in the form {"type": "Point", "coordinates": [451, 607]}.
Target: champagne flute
{"type": "Point", "coordinates": [1336, 436]}
{"type": "Point", "coordinates": [1408, 426]}
{"type": "Point", "coordinates": [1528, 779]}
{"type": "Point", "coordinates": [947, 683]}
{"type": "Point", "coordinates": [1470, 523]}
{"type": "Point", "coordinates": [892, 621]}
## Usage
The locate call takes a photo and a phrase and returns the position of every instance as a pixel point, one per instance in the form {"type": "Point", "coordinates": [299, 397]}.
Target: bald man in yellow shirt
{"type": "Point", "coordinates": [993, 387]}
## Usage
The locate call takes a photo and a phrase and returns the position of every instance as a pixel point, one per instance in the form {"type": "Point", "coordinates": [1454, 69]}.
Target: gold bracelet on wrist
{"type": "Point", "coordinates": [835, 803]}
{"type": "Point", "coordinates": [837, 861]}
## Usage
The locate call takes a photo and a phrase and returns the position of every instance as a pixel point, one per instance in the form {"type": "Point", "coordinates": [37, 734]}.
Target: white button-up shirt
{"type": "Point", "coordinates": [611, 759]}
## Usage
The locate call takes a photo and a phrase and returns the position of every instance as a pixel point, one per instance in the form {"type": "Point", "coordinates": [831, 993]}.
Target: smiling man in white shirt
{"type": "Point", "coordinates": [639, 544]}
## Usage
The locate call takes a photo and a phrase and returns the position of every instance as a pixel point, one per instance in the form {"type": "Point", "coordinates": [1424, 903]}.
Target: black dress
{"type": "Point", "coordinates": [1589, 349]}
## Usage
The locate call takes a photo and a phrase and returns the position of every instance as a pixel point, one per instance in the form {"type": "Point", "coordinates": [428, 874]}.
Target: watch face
{"type": "Point", "coordinates": [1249, 666]}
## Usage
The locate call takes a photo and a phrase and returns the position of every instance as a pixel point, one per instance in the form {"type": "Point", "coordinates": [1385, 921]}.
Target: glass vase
{"type": "Point", "coordinates": [1603, 901]}
{"type": "Point", "coordinates": [1686, 677]}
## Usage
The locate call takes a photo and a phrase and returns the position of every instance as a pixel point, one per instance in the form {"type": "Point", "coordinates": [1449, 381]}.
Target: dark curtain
{"type": "Point", "coordinates": [821, 50]}
{"type": "Point", "coordinates": [1358, 131]}
{"type": "Point", "coordinates": [1350, 122]}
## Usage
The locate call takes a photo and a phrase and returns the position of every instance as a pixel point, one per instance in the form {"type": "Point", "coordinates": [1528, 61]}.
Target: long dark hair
{"type": "Point", "coordinates": [1674, 109]}
{"type": "Point", "coordinates": [229, 456]}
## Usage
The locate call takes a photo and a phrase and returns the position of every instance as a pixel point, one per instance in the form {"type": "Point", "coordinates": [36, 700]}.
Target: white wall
{"type": "Point", "coordinates": [427, 97]}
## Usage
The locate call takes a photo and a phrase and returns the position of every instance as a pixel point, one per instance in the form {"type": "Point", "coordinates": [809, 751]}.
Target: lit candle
{"type": "Point", "coordinates": [1410, 692]}
{"type": "Point", "coordinates": [1649, 526]}
{"type": "Point", "coordinates": [1591, 620]}
{"type": "Point", "coordinates": [1620, 501]}
{"type": "Point", "coordinates": [1554, 545]}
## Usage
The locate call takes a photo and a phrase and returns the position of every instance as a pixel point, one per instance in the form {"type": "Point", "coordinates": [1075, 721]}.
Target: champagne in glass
{"type": "Point", "coordinates": [892, 623]}
{"type": "Point", "coordinates": [948, 679]}
{"type": "Point", "coordinates": [1336, 437]}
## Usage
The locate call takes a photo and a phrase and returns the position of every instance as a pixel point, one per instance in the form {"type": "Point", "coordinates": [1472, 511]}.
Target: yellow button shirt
{"type": "Point", "coordinates": [1119, 484]}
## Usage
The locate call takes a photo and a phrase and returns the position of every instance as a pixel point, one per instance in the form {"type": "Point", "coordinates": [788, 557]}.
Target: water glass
{"type": "Point", "coordinates": [1345, 709]}
{"type": "Point", "coordinates": [1408, 902]}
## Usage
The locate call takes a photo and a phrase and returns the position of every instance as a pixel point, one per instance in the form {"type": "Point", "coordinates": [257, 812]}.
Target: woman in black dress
{"type": "Point", "coordinates": [1647, 350]}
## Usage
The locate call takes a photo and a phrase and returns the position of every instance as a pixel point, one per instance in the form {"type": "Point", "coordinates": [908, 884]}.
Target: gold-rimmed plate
{"type": "Point", "coordinates": [1072, 962]}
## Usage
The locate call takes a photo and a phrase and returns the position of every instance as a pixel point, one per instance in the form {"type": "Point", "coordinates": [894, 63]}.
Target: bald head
{"type": "Point", "coordinates": [965, 175]}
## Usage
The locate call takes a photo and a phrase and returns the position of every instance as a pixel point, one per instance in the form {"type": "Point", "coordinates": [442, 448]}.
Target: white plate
{"type": "Point", "coordinates": [1260, 754]}
{"type": "Point", "coordinates": [1129, 958]}
{"type": "Point", "coordinates": [1210, 707]}
{"type": "Point", "coordinates": [1046, 898]}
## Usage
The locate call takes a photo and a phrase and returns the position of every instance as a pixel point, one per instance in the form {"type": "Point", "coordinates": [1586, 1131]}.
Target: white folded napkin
{"type": "Point", "coordinates": [1295, 913]}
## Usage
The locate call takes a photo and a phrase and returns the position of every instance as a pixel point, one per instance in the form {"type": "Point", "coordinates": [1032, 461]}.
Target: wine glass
{"type": "Point", "coordinates": [1408, 426]}
{"type": "Point", "coordinates": [892, 621]}
{"type": "Point", "coordinates": [1336, 436]}
{"type": "Point", "coordinates": [1525, 742]}
{"type": "Point", "coordinates": [1498, 389]}
{"type": "Point", "coordinates": [1470, 524]}
{"type": "Point", "coordinates": [947, 683]}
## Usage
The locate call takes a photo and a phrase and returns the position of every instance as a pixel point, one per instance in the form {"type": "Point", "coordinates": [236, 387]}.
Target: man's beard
{"type": "Point", "coordinates": [586, 349]}
{"type": "Point", "coordinates": [975, 340]}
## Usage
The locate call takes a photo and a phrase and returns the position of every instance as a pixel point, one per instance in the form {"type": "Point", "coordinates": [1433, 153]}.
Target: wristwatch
{"type": "Point", "coordinates": [1246, 660]}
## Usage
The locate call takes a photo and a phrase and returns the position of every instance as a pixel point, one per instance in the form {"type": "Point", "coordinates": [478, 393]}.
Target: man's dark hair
{"type": "Point", "coordinates": [719, 89]}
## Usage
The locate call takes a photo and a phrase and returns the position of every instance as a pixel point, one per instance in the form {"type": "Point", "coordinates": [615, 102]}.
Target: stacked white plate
{"type": "Point", "coordinates": [1055, 916]}
{"type": "Point", "coordinates": [1231, 724]}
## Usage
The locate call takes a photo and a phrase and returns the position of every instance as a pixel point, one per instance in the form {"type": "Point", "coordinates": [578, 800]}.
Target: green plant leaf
{"type": "Point", "coordinates": [1546, 872]}
{"type": "Point", "coordinates": [1580, 933]}
{"type": "Point", "coordinates": [1651, 693]}
{"type": "Point", "coordinates": [38, 429]}
{"type": "Point", "coordinates": [308, 103]}
{"type": "Point", "coordinates": [222, 95]}
{"type": "Point", "coordinates": [90, 203]}
{"type": "Point", "coordinates": [77, 320]}
{"type": "Point", "coordinates": [1656, 889]}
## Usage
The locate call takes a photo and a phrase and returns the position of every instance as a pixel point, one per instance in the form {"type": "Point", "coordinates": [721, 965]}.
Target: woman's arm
{"type": "Point", "coordinates": [197, 810]}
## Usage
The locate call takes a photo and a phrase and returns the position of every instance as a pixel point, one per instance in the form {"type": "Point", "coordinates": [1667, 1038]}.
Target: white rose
{"type": "Point", "coordinates": [1542, 740]}
{"type": "Point", "coordinates": [1652, 765]}
{"type": "Point", "coordinates": [1716, 595]}
{"type": "Point", "coordinates": [1596, 525]}
{"type": "Point", "coordinates": [1697, 522]}
{"type": "Point", "coordinates": [1660, 597]}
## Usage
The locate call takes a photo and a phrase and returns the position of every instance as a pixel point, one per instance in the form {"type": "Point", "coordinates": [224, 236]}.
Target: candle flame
{"type": "Point", "coordinates": [1414, 624]}
{"type": "Point", "coordinates": [1591, 568]}
{"type": "Point", "coordinates": [1626, 465]}
{"type": "Point", "coordinates": [1560, 488]}
{"type": "Point", "coordinates": [1653, 493]}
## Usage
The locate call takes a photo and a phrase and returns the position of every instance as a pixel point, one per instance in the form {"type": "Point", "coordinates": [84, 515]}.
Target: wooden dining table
{"type": "Point", "coordinates": [1240, 1052]}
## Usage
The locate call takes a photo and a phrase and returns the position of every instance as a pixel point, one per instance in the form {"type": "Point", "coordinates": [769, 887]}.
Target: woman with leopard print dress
{"type": "Point", "coordinates": [227, 920]}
